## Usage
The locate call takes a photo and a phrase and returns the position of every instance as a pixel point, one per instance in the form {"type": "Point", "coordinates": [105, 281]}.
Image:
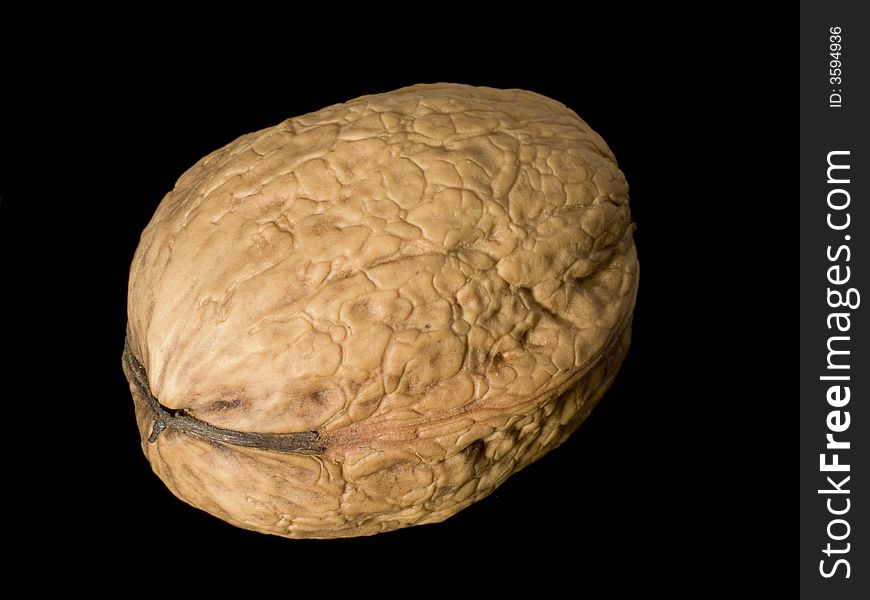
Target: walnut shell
{"type": "Point", "coordinates": [436, 284]}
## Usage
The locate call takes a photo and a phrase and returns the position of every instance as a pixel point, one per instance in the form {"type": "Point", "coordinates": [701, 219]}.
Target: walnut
{"type": "Point", "coordinates": [370, 316]}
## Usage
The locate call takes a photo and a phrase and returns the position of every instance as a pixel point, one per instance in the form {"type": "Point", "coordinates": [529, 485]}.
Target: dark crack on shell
{"type": "Point", "coordinates": [304, 442]}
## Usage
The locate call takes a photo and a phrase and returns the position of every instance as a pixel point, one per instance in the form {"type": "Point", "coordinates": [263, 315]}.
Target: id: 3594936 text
{"type": "Point", "coordinates": [835, 100]}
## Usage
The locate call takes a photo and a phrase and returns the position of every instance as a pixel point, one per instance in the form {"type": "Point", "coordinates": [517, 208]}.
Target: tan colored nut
{"type": "Point", "coordinates": [368, 317]}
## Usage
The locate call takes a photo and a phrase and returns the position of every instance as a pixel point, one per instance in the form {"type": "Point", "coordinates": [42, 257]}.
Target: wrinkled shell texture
{"type": "Point", "coordinates": [438, 280]}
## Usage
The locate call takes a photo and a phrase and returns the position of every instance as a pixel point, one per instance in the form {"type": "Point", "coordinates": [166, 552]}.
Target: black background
{"type": "Point", "coordinates": [676, 483]}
